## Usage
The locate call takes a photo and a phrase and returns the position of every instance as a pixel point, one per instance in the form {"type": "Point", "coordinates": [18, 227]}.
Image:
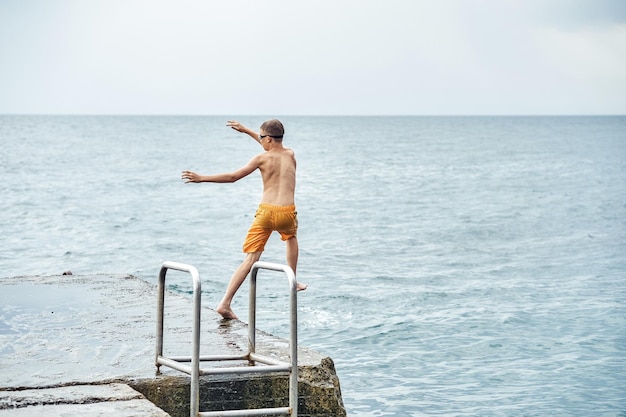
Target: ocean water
{"type": "Point", "coordinates": [458, 266]}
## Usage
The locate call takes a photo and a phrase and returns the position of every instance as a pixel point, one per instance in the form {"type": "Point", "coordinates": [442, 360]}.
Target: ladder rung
{"type": "Point", "coordinates": [246, 370]}
{"type": "Point", "coordinates": [265, 359]}
{"type": "Point", "coordinates": [274, 366]}
{"type": "Point", "coordinates": [174, 365]}
{"type": "Point", "coordinates": [210, 358]}
{"type": "Point", "coordinates": [255, 412]}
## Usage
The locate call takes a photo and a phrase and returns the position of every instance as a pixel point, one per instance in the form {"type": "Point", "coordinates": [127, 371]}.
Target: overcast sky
{"type": "Point", "coordinates": [288, 57]}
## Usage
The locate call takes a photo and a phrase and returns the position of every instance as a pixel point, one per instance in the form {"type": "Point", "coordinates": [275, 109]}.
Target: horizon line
{"type": "Point", "coordinates": [314, 115]}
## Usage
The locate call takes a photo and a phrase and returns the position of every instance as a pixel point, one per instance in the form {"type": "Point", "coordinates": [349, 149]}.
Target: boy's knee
{"type": "Point", "coordinates": [252, 257]}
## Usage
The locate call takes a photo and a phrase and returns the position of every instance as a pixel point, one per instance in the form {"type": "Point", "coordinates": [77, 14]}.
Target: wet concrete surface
{"type": "Point", "coordinates": [62, 331]}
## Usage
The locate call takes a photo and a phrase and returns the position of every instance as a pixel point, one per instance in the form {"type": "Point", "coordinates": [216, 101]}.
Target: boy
{"type": "Point", "coordinates": [277, 209]}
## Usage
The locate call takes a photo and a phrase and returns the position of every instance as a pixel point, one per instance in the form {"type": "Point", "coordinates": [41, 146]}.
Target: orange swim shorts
{"type": "Point", "coordinates": [283, 219]}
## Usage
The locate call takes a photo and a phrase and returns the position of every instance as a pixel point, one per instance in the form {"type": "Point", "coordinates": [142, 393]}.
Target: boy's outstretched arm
{"type": "Point", "coordinates": [253, 164]}
{"type": "Point", "coordinates": [241, 128]}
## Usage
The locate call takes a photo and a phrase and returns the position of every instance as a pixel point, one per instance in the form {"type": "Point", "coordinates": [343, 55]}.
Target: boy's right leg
{"type": "Point", "coordinates": [239, 276]}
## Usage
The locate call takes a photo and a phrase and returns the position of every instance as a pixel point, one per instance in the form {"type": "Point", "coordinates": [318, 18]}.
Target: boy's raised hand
{"type": "Point", "coordinates": [236, 125]}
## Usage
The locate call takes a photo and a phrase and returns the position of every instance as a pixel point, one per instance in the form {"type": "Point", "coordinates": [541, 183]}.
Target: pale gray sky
{"type": "Point", "coordinates": [284, 57]}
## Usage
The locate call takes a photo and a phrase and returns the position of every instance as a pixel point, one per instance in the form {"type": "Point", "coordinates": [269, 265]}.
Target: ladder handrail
{"type": "Point", "coordinates": [293, 331]}
{"type": "Point", "coordinates": [195, 335]}
{"type": "Point", "coordinates": [194, 370]}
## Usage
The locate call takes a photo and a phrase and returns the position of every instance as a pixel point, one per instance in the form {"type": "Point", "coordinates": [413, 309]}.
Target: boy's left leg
{"type": "Point", "coordinates": [292, 258]}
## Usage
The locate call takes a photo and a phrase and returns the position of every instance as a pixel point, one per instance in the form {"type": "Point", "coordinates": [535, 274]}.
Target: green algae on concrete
{"type": "Point", "coordinates": [319, 394]}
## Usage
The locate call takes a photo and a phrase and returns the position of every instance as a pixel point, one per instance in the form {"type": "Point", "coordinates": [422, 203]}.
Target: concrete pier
{"type": "Point", "coordinates": [85, 345]}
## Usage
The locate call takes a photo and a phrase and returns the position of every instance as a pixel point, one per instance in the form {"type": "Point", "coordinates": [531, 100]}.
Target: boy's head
{"type": "Point", "coordinates": [273, 128]}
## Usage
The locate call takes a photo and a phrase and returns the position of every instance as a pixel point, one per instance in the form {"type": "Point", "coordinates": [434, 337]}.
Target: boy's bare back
{"type": "Point", "coordinates": [278, 170]}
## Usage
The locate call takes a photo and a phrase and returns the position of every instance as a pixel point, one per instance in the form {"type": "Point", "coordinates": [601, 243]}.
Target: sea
{"type": "Point", "coordinates": [457, 266]}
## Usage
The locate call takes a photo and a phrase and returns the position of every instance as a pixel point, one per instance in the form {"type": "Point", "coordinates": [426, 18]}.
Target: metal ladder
{"type": "Point", "coordinates": [269, 364]}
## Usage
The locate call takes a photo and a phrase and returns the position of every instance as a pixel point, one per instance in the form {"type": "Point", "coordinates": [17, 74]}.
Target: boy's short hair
{"type": "Point", "coordinates": [274, 128]}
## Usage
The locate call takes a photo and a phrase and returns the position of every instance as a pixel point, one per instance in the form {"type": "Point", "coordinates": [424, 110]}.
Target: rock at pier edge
{"type": "Point", "coordinates": [85, 345]}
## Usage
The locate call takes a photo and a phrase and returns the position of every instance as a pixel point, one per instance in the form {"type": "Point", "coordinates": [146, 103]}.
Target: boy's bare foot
{"type": "Point", "coordinates": [226, 312]}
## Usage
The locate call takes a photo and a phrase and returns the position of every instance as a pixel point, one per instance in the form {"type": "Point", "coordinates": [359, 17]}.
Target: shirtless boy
{"type": "Point", "coordinates": [277, 209]}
